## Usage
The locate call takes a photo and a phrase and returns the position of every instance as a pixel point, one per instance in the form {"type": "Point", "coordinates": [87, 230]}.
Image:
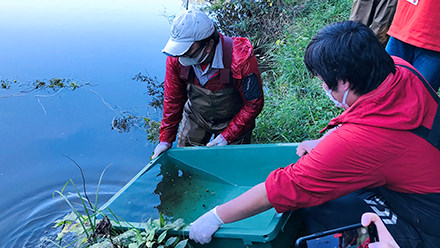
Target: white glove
{"type": "Point", "coordinates": [306, 146]}
{"type": "Point", "coordinates": [162, 147]}
{"type": "Point", "coordinates": [205, 226]}
{"type": "Point", "coordinates": [218, 141]}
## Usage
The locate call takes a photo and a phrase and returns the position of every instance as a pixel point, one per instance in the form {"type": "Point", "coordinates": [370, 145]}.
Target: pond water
{"type": "Point", "coordinates": [103, 43]}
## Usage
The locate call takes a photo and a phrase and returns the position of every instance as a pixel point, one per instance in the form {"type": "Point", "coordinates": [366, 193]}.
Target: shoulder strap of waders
{"type": "Point", "coordinates": [431, 135]}
{"type": "Point", "coordinates": [187, 73]}
{"type": "Point", "coordinates": [226, 74]}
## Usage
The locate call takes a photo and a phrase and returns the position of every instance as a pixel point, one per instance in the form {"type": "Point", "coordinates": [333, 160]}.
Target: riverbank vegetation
{"type": "Point", "coordinates": [296, 107]}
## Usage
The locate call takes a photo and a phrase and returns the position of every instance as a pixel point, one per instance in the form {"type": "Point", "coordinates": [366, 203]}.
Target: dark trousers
{"type": "Point", "coordinates": [427, 62]}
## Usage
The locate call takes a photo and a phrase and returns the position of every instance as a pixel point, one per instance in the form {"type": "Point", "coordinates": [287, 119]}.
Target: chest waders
{"type": "Point", "coordinates": [208, 113]}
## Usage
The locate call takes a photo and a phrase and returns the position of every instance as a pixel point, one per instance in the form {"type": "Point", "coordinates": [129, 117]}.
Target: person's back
{"type": "Point", "coordinates": [373, 147]}
{"type": "Point", "coordinates": [372, 161]}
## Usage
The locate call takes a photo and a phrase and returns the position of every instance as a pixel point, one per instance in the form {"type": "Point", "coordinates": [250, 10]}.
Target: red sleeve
{"type": "Point", "coordinates": [336, 167]}
{"type": "Point", "coordinates": [244, 64]}
{"type": "Point", "coordinates": [175, 96]}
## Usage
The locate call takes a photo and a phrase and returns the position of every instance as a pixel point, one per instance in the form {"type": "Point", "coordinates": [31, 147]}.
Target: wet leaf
{"type": "Point", "coordinates": [150, 236]}
{"type": "Point", "coordinates": [170, 241]}
{"type": "Point", "coordinates": [133, 245]}
{"type": "Point", "coordinates": [162, 237]}
{"type": "Point", "coordinates": [182, 244]}
{"type": "Point", "coordinates": [178, 223]}
{"type": "Point", "coordinates": [162, 220]}
{"type": "Point", "coordinates": [150, 244]}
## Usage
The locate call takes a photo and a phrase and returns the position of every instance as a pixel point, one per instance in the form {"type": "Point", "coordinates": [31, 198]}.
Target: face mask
{"type": "Point", "coordinates": [338, 104]}
{"type": "Point", "coordinates": [187, 61]}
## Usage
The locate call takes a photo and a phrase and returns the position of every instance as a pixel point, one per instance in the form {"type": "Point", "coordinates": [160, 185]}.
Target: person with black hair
{"type": "Point", "coordinates": [373, 162]}
{"type": "Point", "coordinates": [212, 86]}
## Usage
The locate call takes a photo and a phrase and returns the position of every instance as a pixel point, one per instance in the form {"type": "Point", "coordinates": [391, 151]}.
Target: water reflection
{"type": "Point", "coordinates": [101, 42]}
{"type": "Point", "coordinates": [186, 192]}
{"type": "Point", "coordinates": [173, 189]}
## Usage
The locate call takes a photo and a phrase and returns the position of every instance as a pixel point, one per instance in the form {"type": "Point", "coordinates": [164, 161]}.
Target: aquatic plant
{"type": "Point", "coordinates": [54, 84]}
{"type": "Point", "coordinates": [89, 226]}
{"type": "Point", "coordinates": [154, 235]}
{"type": "Point", "coordinates": [155, 89]}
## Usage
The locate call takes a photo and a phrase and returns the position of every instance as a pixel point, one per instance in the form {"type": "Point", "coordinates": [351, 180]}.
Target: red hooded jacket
{"type": "Point", "coordinates": [372, 147]}
{"type": "Point", "coordinates": [175, 95]}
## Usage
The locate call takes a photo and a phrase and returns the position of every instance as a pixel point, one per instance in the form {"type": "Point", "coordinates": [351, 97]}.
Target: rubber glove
{"type": "Point", "coordinates": [218, 141]}
{"type": "Point", "coordinates": [162, 147]}
{"type": "Point", "coordinates": [306, 146]}
{"type": "Point", "coordinates": [205, 226]}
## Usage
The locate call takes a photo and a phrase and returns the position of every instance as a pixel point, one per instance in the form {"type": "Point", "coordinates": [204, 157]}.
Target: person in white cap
{"type": "Point", "coordinates": [212, 86]}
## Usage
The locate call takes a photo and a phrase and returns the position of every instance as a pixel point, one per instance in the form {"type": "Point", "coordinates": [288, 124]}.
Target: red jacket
{"type": "Point", "coordinates": [243, 64]}
{"type": "Point", "coordinates": [371, 148]}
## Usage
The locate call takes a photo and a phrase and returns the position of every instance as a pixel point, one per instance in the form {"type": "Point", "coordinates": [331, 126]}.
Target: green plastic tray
{"type": "Point", "coordinates": [187, 182]}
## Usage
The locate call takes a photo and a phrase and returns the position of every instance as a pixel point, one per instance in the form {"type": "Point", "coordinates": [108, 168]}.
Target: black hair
{"type": "Point", "coordinates": [348, 51]}
{"type": "Point", "coordinates": [214, 36]}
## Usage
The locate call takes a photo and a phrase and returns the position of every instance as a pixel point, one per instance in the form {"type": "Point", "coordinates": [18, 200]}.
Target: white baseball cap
{"type": "Point", "coordinates": [188, 27]}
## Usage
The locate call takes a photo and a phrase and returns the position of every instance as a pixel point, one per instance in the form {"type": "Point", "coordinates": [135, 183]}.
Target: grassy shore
{"type": "Point", "coordinates": [296, 107]}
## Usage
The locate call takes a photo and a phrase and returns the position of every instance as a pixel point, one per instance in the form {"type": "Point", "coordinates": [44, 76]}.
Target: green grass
{"type": "Point", "coordinates": [296, 107]}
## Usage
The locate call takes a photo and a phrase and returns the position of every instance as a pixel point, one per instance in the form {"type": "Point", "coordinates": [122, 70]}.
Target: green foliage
{"type": "Point", "coordinates": [127, 121]}
{"type": "Point", "coordinates": [156, 92]}
{"type": "Point", "coordinates": [4, 84]}
{"type": "Point", "coordinates": [88, 232]}
{"type": "Point", "coordinates": [56, 84]}
{"type": "Point", "coordinates": [261, 21]}
{"type": "Point", "coordinates": [296, 107]}
{"type": "Point", "coordinates": [53, 84]}
{"type": "Point", "coordinates": [154, 235]}
{"type": "Point", "coordinates": [155, 89]}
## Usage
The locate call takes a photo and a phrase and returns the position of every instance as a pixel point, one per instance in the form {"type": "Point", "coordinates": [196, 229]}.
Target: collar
{"type": "Point", "coordinates": [217, 61]}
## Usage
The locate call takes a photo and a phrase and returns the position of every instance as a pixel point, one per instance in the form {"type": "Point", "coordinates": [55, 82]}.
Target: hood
{"type": "Point", "coordinates": [401, 102]}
